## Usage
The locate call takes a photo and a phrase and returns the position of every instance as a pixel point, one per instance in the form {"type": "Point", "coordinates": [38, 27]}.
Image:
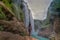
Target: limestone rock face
{"type": "Point", "coordinates": [57, 28]}
{"type": "Point", "coordinates": [57, 25]}
{"type": "Point", "coordinates": [57, 37]}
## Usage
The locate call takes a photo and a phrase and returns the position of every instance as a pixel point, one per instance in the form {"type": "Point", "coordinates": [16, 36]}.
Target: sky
{"type": "Point", "coordinates": [39, 8]}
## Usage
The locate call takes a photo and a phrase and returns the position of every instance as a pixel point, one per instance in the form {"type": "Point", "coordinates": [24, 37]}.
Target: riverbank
{"type": "Point", "coordinates": [11, 36]}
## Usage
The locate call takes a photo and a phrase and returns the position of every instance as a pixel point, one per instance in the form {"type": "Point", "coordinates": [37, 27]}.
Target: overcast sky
{"type": "Point", "coordinates": [39, 8]}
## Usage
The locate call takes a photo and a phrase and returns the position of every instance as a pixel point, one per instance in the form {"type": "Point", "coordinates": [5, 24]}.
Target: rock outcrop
{"type": "Point", "coordinates": [11, 36]}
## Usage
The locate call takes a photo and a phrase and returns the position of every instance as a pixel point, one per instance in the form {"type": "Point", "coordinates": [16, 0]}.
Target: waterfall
{"type": "Point", "coordinates": [38, 14]}
{"type": "Point", "coordinates": [32, 22]}
{"type": "Point", "coordinates": [28, 16]}
{"type": "Point", "coordinates": [27, 13]}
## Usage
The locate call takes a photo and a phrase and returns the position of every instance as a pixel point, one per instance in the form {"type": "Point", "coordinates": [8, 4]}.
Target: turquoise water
{"type": "Point", "coordinates": [39, 37]}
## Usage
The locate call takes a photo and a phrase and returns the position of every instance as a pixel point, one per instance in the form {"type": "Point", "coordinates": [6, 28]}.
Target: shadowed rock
{"type": "Point", "coordinates": [11, 36]}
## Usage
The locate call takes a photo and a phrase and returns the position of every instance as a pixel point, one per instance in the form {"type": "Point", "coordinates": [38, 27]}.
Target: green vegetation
{"type": "Point", "coordinates": [3, 15]}
{"type": "Point", "coordinates": [1, 28]}
{"type": "Point", "coordinates": [55, 5]}
{"type": "Point", "coordinates": [7, 3]}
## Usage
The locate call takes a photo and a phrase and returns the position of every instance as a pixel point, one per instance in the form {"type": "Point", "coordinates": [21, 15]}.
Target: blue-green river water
{"type": "Point", "coordinates": [39, 37]}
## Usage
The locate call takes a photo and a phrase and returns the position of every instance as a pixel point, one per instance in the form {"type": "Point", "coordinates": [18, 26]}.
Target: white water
{"type": "Point", "coordinates": [26, 13]}
{"type": "Point", "coordinates": [28, 16]}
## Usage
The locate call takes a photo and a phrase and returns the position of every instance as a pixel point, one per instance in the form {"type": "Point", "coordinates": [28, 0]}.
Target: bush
{"type": "Point", "coordinates": [2, 16]}
{"type": "Point", "coordinates": [1, 28]}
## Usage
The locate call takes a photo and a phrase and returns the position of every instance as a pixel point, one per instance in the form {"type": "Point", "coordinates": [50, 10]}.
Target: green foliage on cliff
{"type": "Point", "coordinates": [2, 16]}
{"type": "Point", "coordinates": [7, 3]}
{"type": "Point", "coordinates": [19, 11]}
{"type": "Point", "coordinates": [1, 28]}
{"type": "Point", "coordinates": [56, 3]}
{"type": "Point", "coordinates": [54, 6]}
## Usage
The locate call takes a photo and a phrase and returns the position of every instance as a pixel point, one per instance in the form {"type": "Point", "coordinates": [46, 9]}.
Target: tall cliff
{"type": "Point", "coordinates": [9, 22]}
